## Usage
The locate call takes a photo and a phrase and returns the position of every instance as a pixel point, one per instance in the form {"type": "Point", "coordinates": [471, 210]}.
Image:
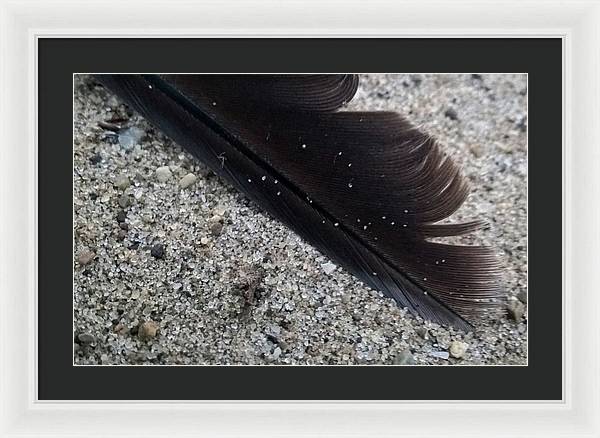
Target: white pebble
{"type": "Point", "coordinates": [187, 180]}
{"type": "Point", "coordinates": [163, 174]}
{"type": "Point", "coordinates": [440, 354]}
{"type": "Point", "coordinates": [122, 182]}
{"type": "Point", "coordinates": [458, 349]}
{"type": "Point", "coordinates": [138, 194]}
{"type": "Point", "coordinates": [328, 267]}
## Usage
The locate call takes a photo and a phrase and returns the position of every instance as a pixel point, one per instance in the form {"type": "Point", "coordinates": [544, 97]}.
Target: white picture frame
{"type": "Point", "coordinates": [22, 23]}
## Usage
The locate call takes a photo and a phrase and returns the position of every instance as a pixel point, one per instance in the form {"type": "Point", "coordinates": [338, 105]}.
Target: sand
{"type": "Point", "coordinates": [199, 275]}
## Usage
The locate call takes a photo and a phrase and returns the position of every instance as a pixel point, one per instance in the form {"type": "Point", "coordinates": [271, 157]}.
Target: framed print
{"type": "Point", "coordinates": [301, 230]}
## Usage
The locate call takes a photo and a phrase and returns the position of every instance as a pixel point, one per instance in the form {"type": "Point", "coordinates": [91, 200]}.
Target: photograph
{"type": "Point", "coordinates": [265, 219]}
{"type": "Point", "coordinates": [323, 219]}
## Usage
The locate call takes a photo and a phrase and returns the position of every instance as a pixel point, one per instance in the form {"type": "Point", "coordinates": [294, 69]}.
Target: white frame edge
{"type": "Point", "coordinates": [577, 22]}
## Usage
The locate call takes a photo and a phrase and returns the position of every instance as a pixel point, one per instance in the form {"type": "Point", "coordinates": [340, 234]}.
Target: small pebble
{"type": "Point", "coordinates": [85, 256]}
{"type": "Point", "coordinates": [276, 353]}
{"type": "Point", "coordinates": [124, 201]}
{"type": "Point", "coordinates": [522, 296]}
{"type": "Point", "coordinates": [96, 159]}
{"type": "Point", "coordinates": [120, 328]}
{"type": "Point", "coordinates": [405, 357]}
{"type": "Point", "coordinates": [121, 216]}
{"type": "Point", "coordinates": [416, 80]}
{"type": "Point", "coordinates": [205, 241]}
{"type": "Point", "coordinates": [130, 137]}
{"type": "Point", "coordinates": [158, 251]}
{"type": "Point", "coordinates": [163, 174]}
{"type": "Point", "coordinates": [458, 349]}
{"type": "Point", "coordinates": [422, 332]}
{"type": "Point", "coordinates": [86, 338]}
{"type": "Point", "coordinates": [147, 330]}
{"type": "Point", "coordinates": [328, 267]}
{"type": "Point", "coordinates": [216, 228]}
{"type": "Point", "coordinates": [187, 180]}
{"type": "Point", "coordinates": [220, 211]}
{"type": "Point", "coordinates": [440, 354]}
{"type": "Point", "coordinates": [138, 194]}
{"type": "Point", "coordinates": [122, 182]}
{"type": "Point", "coordinates": [476, 150]}
{"type": "Point", "coordinates": [516, 310]}
{"type": "Point", "coordinates": [451, 114]}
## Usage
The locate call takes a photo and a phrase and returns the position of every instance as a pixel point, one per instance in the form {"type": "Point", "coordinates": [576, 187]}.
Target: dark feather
{"type": "Point", "coordinates": [365, 188]}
